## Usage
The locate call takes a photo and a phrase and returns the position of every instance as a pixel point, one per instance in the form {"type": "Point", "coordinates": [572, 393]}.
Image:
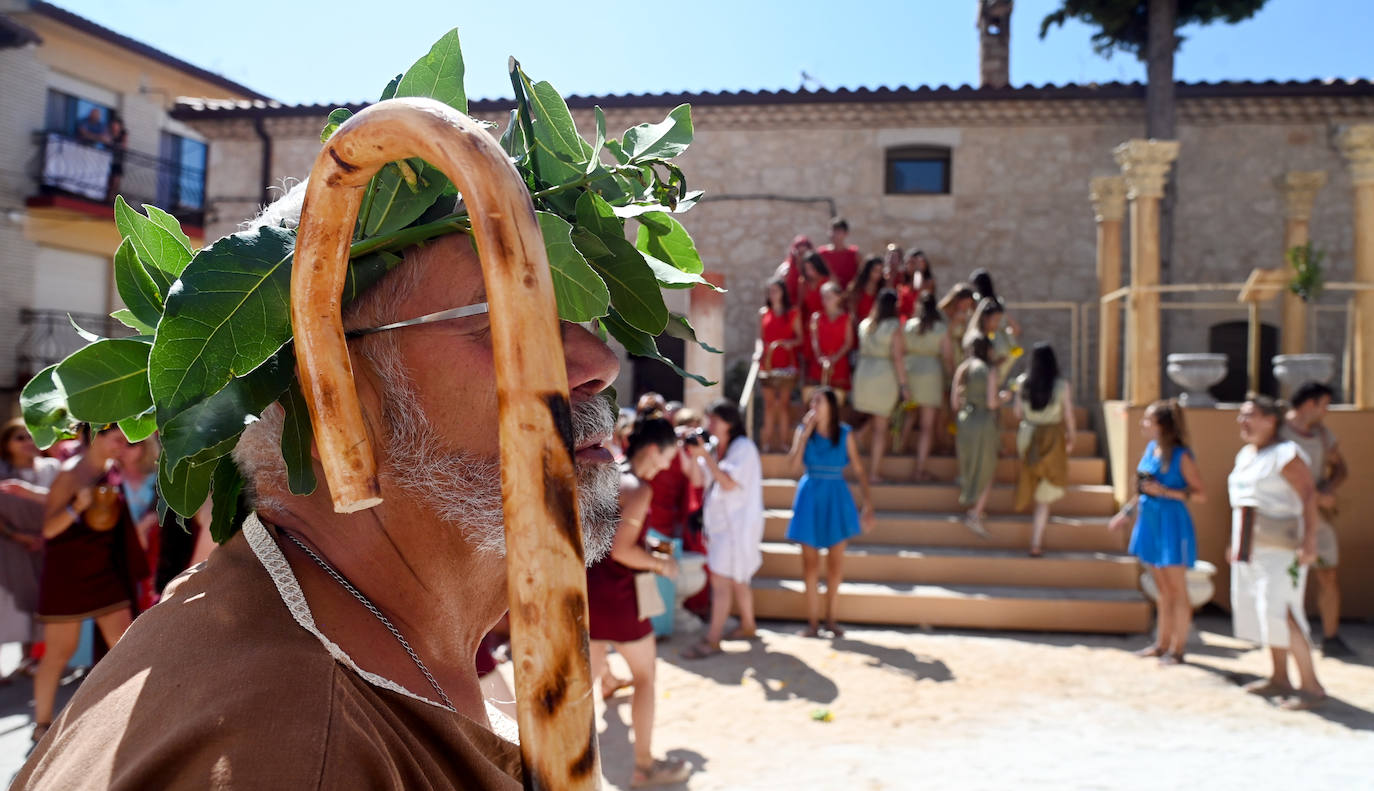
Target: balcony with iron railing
{"type": "Point", "coordinates": [92, 174]}
{"type": "Point", "coordinates": [48, 337]}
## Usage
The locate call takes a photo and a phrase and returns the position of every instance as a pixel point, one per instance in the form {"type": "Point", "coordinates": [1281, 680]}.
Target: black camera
{"type": "Point", "coordinates": [695, 437]}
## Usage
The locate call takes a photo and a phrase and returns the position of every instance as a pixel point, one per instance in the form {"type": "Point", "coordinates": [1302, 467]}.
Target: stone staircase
{"type": "Point", "coordinates": [921, 566]}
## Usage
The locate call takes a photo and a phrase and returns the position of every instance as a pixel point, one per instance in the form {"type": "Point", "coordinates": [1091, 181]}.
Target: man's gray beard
{"type": "Point", "coordinates": [464, 490]}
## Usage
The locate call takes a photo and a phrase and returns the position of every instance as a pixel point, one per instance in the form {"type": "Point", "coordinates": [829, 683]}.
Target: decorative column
{"type": "Point", "coordinates": [1144, 167]}
{"type": "Point", "coordinates": [707, 314]}
{"type": "Point", "coordinates": [1357, 143]}
{"type": "Point", "coordinates": [1108, 195]}
{"type": "Point", "coordinates": [1299, 188]}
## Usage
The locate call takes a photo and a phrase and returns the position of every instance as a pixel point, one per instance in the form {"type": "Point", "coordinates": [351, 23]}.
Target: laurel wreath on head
{"type": "Point", "coordinates": [212, 345]}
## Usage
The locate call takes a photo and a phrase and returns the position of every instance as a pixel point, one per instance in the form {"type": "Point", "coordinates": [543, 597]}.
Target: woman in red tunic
{"type": "Point", "coordinates": [613, 606]}
{"type": "Point", "coordinates": [863, 292]}
{"type": "Point", "coordinates": [814, 275]}
{"type": "Point", "coordinates": [790, 270]}
{"type": "Point", "coordinates": [832, 338]}
{"type": "Point", "coordinates": [776, 351]}
{"type": "Point", "coordinates": [92, 559]}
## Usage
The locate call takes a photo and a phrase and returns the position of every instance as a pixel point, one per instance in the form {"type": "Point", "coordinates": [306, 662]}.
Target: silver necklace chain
{"type": "Point", "coordinates": [372, 608]}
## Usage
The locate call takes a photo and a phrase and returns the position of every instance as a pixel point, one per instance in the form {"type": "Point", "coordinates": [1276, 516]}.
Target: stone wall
{"type": "Point", "coordinates": [1018, 205]}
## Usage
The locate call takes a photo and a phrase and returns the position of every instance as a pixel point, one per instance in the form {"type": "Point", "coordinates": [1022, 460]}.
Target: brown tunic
{"type": "Point", "coordinates": [217, 687]}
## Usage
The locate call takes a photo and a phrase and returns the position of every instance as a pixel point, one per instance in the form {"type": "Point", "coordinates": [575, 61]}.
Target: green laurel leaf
{"type": "Point", "coordinates": [163, 254]}
{"type": "Point", "coordinates": [229, 313]}
{"type": "Point", "coordinates": [107, 381]}
{"type": "Point", "coordinates": [581, 294]}
{"type": "Point", "coordinates": [44, 406]}
{"type": "Point", "coordinates": [296, 437]}
{"type": "Point", "coordinates": [438, 75]}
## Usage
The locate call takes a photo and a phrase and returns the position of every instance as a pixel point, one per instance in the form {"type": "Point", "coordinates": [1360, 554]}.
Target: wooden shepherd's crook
{"type": "Point", "coordinates": [544, 560]}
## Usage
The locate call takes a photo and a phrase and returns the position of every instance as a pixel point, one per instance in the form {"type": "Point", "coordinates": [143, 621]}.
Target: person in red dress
{"type": "Point", "coordinates": [916, 281]}
{"type": "Point", "coordinates": [832, 338]}
{"type": "Point", "coordinates": [776, 350]}
{"type": "Point", "coordinates": [841, 257]}
{"type": "Point", "coordinates": [790, 270]}
{"type": "Point", "coordinates": [612, 603]}
{"type": "Point", "coordinates": [91, 562]}
{"type": "Point", "coordinates": [863, 292]}
{"type": "Point", "coordinates": [815, 274]}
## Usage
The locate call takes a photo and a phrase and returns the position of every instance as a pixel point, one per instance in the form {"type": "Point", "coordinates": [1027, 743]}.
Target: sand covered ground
{"type": "Point", "coordinates": [916, 710]}
{"type": "Point", "coordinates": [970, 710]}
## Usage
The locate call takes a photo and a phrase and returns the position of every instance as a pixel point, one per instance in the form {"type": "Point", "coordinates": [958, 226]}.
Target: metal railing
{"type": "Point", "coordinates": [69, 166]}
{"type": "Point", "coordinates": [49, 337]}
{"type": "Point", "coordinates": [1347, 346]}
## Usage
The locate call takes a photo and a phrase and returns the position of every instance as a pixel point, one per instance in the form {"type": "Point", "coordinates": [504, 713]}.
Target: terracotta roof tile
{"type": "Point", "coordinates": [192, 108]}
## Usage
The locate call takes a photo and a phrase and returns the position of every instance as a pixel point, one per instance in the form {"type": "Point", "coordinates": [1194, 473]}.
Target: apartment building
{"type": "Point", "coordinates": [65, 85]}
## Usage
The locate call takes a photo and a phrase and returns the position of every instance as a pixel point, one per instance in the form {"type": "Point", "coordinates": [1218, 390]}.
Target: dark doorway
{"type": "Point", "coordinates": [653, 376]}
{"type": "Point", "coordinates": [1231, 338]}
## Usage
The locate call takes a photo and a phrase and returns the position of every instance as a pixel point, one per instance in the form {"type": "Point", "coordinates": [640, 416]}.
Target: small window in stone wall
{"type": "Point", "coordinates": [918, 170]}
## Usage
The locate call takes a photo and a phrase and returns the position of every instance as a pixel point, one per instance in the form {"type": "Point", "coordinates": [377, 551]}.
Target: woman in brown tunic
{"type": "Point", "coordinates": [613, 602]}
{"type": "Point", "coordinates": [91, 558]}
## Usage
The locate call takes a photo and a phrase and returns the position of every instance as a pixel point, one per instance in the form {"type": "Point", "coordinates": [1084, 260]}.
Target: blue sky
{"type": "Point", "coordinates": [307, 51]}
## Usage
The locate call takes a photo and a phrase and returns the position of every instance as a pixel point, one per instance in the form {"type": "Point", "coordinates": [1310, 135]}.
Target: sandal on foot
{"type": "Point", "coordinates": [700, 650]}
{"type": "Point", "coordinates": [616, 684]}
{"type": "Point", "coordinates": [810, 631]}
{"type": "Point", "coordinates": [1169, 660]}
{"type": "Point", "coordinates": [1266, 688]}
{"type": "Point", "coordinates": [975, 524]}
{"type": "Point", "coordinates": [740, 634]}
{"type": "Point", "coordinates": [1303, 701]}
{"type": "Point", "coordinates": [1036, 552]}
{"type": "Point", "coordinates": [660, 772]}
{"type": "Point", "coordinates": [1149, 652]}
{"type": "Point", "coordinates": [834, 629]}
{"type": "Point", "coordinates": [39, 730]}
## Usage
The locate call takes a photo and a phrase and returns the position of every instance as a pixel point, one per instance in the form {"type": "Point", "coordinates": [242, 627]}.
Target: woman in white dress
{"type": "Point", "coordinates": [732, 518]}
{"type": "Point", "coordinates": [1273, 542]}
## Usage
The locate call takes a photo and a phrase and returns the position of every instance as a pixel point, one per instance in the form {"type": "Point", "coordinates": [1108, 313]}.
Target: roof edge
{"type": "Point", "coordinates": [84, 25]}
{"type": "Point", "coordinates": [189, 109]}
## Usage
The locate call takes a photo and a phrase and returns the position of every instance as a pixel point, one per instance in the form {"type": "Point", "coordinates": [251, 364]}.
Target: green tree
{"type": "Point", "coordinates": [1148, 29]}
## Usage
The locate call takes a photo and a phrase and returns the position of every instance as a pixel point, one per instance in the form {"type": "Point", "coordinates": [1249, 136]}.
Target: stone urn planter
{"type": "Point", "coordinates": [1195, 373]}
{"type": "Point", "coordinates": [1293, 369]}
{"type": "Point", "coordinates": [1200, 585]}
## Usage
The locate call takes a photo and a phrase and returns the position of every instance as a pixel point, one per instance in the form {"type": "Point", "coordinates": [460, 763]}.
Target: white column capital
{"type": "Point", "coordinates": [1357, 144]}
{"type": "Point", "coordinates": [1108, 194]}
{"type": "Point", "coordinates": [1145, 166]}
{"type": "Point", "coordinates": [1299, 189]}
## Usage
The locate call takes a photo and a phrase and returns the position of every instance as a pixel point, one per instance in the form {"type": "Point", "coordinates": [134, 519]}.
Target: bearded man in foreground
{"type": "Point", "coordinates": [321, 650]}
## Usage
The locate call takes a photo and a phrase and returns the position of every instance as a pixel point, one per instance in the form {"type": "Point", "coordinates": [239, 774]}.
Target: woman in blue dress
{"type": "Point", "coordinates": [823, 513]}
{"type": "Point", "coordinates": [1163, 537]}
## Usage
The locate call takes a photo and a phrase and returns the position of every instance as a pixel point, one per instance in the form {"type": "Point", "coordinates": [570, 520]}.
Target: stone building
{"type": "Point", "coordinates": [57, 235]}
{"type": "Point", "coordinates": [1003, 182]}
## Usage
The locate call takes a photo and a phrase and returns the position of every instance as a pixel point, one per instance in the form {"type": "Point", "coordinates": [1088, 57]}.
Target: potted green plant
{"type": "Point", "coordinates": [1293, 369]}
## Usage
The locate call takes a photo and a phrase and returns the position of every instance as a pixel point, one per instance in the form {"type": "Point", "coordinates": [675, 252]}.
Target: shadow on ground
{"type": "Point", "coordinates": [1333, 709]}
{"type": "Point", "coordinates": [617, 754]}
{"type": "Point", "coordinates": [897, 659]}
{"type": "Point", "coordinates": [781, 675]}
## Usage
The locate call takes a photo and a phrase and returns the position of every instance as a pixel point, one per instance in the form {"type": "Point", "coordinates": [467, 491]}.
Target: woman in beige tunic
{"type": "Point", "coordinates": [1044, 404]}
{"type": "Point", "coordinates": [880, 378]}
{"type": "Point", "coordinates": [929, 363]}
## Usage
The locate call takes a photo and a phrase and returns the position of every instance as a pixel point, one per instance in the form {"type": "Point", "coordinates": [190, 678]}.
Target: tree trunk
{"type": "Point", "coordinates": [1160, 124]}
{"type": "Point", "coordinates": [1159, 64]}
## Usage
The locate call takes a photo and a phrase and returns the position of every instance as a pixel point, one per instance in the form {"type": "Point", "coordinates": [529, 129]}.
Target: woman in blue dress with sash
{"type": "Point", "coordinates": [824, 516]}
{"type": "Point", "coordinates": [1163, 538]}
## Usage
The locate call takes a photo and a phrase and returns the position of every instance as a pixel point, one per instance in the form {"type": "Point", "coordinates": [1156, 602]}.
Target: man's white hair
{"type": "Point", "coordinates": [461, 489]}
